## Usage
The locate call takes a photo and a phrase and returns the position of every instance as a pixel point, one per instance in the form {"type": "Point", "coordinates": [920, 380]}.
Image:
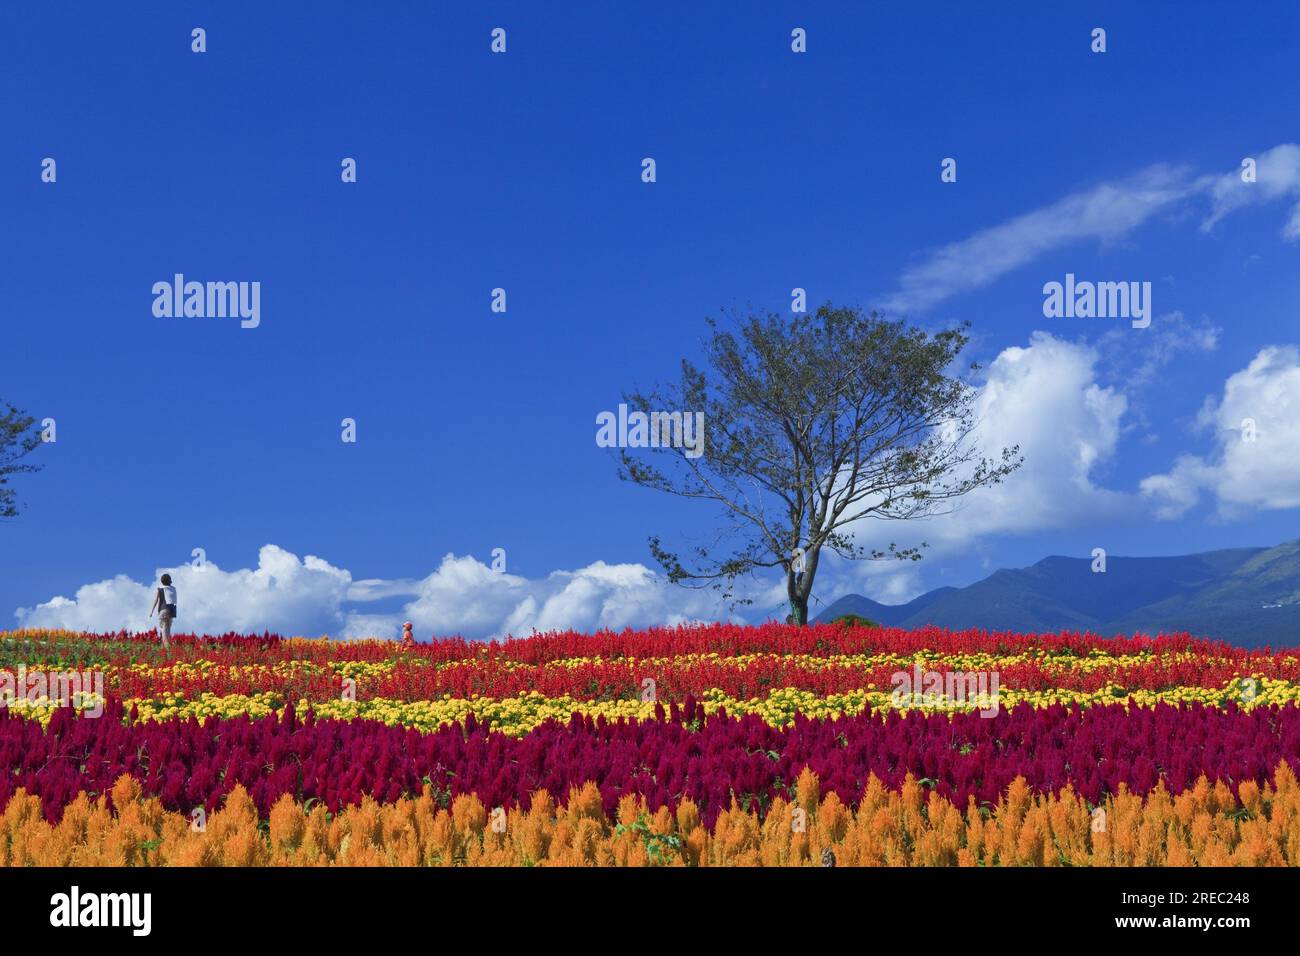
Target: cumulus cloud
{"type": "Point", "coordinates": [283, 593]}
{"type": "Point", "coordinates": [1104, 213]}
{"type": "Point", "coordinates": [310, 596]}
{"type": "Point", "coordinates": [1256, 429]}
{"type": "Point", "coordinates": [1044, 397]}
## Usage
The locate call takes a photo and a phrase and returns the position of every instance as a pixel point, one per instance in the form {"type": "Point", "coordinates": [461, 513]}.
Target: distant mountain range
{"type": "Point", "coordinates": [1246, 596]}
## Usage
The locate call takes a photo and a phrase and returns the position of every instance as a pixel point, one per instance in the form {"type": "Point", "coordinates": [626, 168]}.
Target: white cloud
{"type": "Point", "coordinates": [1137, 362]}
{"type": "Point", "coordinates": [1045, 398]}
{"type": "Point", "coordinates": [1105, 213]}
{"type": "Point", "coordinates": [891, 582]}
{"type": "Point", "coordinates": [1277, 174]}
{"type": "Point", "coordinates": [282, 594]}
{"type": "Point", "coordinates": [312, 597]}
{"type": "Point", "coordinates": [1242, 475]}
{"type": "Point", "coordinates": [466, 597]}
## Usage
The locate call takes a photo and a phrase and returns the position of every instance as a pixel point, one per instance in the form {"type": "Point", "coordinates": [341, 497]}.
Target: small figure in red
{"type": "Point", "coordinates": [408, 638]}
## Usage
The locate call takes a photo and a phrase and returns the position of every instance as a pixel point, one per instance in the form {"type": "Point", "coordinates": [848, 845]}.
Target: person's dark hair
{"type": "Point", "coordinates": [166, 579]}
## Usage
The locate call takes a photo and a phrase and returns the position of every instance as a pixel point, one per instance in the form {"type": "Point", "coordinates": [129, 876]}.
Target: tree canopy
{"type": "Point", "coordinates": [814, 426]}
{"type": "Point", "coordinates": [18, 438]}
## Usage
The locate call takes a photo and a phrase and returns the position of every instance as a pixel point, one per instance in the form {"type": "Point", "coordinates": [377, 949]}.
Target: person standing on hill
{"type": "Point", "coordinates": [164, 602]}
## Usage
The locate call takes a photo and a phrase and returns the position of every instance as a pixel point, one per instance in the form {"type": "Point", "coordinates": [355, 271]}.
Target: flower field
{"type": "Point", "coordinates": [706, 745]}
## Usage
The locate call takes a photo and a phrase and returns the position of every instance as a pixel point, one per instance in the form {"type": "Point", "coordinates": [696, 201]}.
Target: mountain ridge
{"type": "Point", "coordinates": [1245, 596]}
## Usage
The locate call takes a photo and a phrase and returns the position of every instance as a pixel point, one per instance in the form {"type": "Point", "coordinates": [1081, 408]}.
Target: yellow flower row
{"type": "Point", "coordinates": [203, 667]}
{"type": "Point", "coordinates": [167, 706]}
{"type": "Point", "coordinates": [1052, 663]}
{"type": "Point", "coordinates": [520, 714]}
{"type": "Point", "coordinates": [42, 709]}
{"type": "Point", "coordinates": [977, 661]}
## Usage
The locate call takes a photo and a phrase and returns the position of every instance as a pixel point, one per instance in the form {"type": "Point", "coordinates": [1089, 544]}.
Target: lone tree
{"type": "Point", "coordinates": [18, 438]}
{"type": "Point", "coordinates": [813, 423]}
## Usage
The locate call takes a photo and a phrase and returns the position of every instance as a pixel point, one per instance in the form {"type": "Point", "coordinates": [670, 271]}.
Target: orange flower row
{"type": "Point", "coordinates": [1205, 825]}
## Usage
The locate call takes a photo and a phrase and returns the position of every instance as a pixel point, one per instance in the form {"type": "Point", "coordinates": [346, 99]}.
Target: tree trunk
{"type": "Point", "coordinates": [798, 586]}
{"type": "Point", "coordinates": [798, 589]}
{"type": "Point", "coordinates": [800, 611]}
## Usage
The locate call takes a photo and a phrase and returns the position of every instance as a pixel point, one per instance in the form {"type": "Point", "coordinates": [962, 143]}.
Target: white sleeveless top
{"type": "Point", "coordinates": [169, 594]}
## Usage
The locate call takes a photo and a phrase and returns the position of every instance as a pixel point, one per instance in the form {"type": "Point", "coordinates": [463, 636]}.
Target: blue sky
{"type": "Point", "coordinates": [522, 171]}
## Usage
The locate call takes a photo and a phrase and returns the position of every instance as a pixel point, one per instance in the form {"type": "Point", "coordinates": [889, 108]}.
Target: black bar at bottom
{"type": "Point", "coordinates": [380, 906]}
